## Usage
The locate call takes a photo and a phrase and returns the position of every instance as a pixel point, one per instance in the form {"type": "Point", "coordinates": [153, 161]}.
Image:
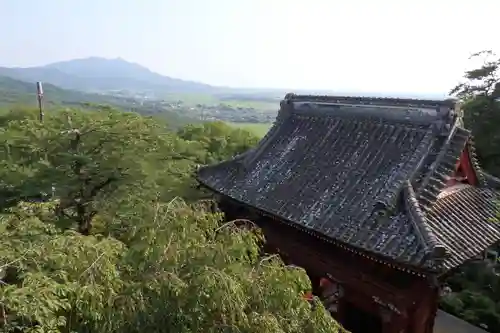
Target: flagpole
{"type": "Point", "coordinates": [39, 90]}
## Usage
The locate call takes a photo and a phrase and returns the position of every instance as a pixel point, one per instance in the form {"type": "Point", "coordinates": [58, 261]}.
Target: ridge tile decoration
{"type": "Point", "coordinates": [367, 173]}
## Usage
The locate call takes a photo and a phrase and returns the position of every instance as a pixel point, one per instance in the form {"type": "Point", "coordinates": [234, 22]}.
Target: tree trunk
{"type": "Point", "coordinates": [84, 219]}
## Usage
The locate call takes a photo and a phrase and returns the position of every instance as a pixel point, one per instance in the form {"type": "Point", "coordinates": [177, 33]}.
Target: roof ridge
{"type": "Point", "coordinates": [476, 165]}
{"type": "Point", "coordinates": [440, 156]}
{"type": "Point", "coordinates": [442, 164]}
{"type": "Point", "coordinates": [283, 114]}
{"type": "Point", "coordinates": [265, 141]}
{"type": "Point", "coordinates": [418, 111]}
{"type": "Point", "coordinates": [386, 101]}
{"type": "Point", "coordinates": [433, 248]}
{"type": "Point", "coordinates": [390, 194]}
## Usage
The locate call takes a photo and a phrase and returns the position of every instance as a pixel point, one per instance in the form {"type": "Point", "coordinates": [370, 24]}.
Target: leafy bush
{"type": "Point", "coordinates": [180, 270]}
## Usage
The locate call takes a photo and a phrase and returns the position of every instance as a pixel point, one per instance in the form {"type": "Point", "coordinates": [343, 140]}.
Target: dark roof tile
{"type": "Point", "coordinates": [335, 187]}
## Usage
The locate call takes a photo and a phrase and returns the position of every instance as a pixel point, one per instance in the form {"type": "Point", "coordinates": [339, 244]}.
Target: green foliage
{"type": "Point", "coordinates": [482, 116]}
{"type": "Point", "coordinates": [218, 140]}
{"type": "Point", "coordinates": [476, 296]}
{"type": "Point", "coordinates": [90, 156]}
{"type": "Point", "coordinates": [179, 270]}
{"type": "Point", "coordinates": [113, 248]}
{"type": "Point", "coordinates": [480, 93]}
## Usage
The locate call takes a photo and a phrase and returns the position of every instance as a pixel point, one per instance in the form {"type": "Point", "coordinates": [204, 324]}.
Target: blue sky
{"type": "Point", "coordinates": [361, 45]}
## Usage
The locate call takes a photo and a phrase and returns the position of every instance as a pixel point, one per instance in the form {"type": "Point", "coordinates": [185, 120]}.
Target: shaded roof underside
{"type": "Point", "coordinates": [342, 178]}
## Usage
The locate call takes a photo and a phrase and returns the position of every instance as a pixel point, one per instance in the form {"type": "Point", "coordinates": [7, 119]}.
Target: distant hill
{"type": "Point", "coordinates": [16, 92]}
{"type": "Point", "coordinates": [96, 74]}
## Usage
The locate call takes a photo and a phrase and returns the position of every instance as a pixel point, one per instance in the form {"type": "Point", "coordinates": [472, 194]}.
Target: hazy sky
{"type": "Point", "coordinates": [363, 45]}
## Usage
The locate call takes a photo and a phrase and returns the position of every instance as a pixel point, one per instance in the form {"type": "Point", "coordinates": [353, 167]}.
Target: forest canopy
{"type": "Point", "coordinates": [104, 231]}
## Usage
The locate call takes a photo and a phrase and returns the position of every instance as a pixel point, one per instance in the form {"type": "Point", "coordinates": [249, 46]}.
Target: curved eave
{"type": "Point", "coordinates": [490, 180]}
{"type": "Point", "coordinates": [415, 269]}
{"type": "Point", "coordinates": [476, 165]}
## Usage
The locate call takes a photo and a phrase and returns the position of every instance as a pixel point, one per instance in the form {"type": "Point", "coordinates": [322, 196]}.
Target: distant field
{"type": "Point", "coordinates": [258, 105]}
{"type": "Point", "coordinates": [256, 128]}
{"type": "Point", "coordinates": [207, 99]}
{"type": "Point", "coordinates": [191, 99]}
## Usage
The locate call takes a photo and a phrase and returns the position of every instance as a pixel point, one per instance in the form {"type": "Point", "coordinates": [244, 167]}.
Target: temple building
{"type": "Point", "coordinates": [377, 199]}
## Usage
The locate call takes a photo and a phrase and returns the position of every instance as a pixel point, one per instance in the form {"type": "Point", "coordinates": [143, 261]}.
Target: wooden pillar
{"type": "Point", "coordinates": [433, 308]}
{"type": "Point", "coordinates": [387, 320]}
{"type": "Point", "coordinates": [392, 322]}
{"type": "Point", "coordinates": [332, 294]}
{"type": "Point", "coordinates": [423, 312]}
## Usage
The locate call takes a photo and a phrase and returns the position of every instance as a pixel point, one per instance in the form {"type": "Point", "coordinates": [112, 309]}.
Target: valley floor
{"type": "Point", "coordinates": [259, 129]}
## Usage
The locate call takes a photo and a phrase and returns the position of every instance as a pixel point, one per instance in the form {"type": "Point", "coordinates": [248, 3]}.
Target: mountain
{"type": "Point", "coordinates": [96, 74]}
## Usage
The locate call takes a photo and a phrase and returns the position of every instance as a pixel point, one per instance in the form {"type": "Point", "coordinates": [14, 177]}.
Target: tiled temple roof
{"type": "Point", "coordinates": [368, 173]}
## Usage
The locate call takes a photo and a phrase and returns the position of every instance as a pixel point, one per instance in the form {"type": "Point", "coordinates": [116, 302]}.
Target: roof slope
{"type": "Point", "coordinates": [462, 220]}
{"type": "Point", "coordinates": [362, 172]}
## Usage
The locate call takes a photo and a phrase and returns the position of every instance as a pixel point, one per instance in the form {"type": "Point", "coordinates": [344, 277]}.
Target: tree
{"type": "Point", "coordinates": [218, 140]}
{"type": "Point", "coordinates": [480, 93]}
{"type": "Point", "coordinates": [89, 160]}
{"type": "Point", "coordinates": [482, 81]}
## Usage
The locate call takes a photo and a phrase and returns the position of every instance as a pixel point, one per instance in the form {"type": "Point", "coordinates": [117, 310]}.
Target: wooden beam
{"type": "Point", "coordinates": [348, 271]}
